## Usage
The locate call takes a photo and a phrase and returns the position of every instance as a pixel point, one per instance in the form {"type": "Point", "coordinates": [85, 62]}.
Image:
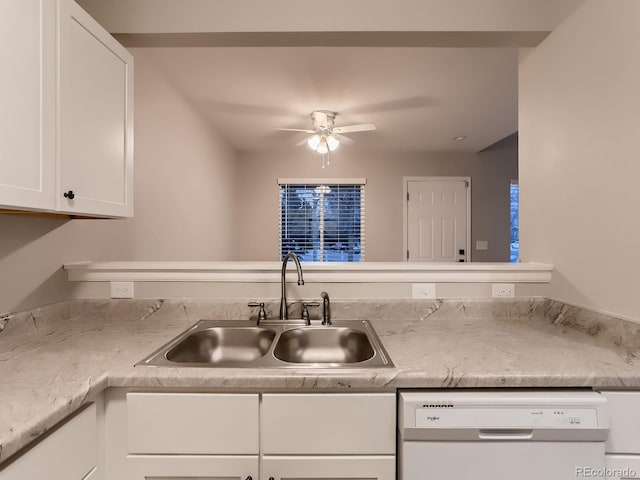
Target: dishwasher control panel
{"type": "Point", "coordinates": [428, 416]}
{"type": "Point", "coordinates": [502, 415]}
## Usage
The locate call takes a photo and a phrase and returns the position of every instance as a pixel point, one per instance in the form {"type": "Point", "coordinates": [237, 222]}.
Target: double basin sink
{"type": "Point", "coordinates": [239, 343]}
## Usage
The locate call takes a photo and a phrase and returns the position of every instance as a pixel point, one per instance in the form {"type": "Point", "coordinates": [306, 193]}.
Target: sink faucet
{"type": "Point", "coordinates": [284, 310]}
{"type": "Point", "coordinates": [326, 309]}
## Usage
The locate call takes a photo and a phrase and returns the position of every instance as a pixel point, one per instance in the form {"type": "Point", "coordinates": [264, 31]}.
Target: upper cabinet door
{"type": "Point", "coordinates": [27, 104]}
{"type": "Point", "coordinates": [95, 158]}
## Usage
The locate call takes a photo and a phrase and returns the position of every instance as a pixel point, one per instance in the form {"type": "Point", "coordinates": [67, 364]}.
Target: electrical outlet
{"type": "Point", "coordinates": [423, 290]}
{"type": "Point", "coordinates": [121, 289]}
{"type": "Point", "coordinates": [503, 290]}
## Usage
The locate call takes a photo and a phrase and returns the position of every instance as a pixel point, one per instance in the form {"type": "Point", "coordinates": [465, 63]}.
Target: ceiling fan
{"type": "Point", "coordinates": [325, 135]}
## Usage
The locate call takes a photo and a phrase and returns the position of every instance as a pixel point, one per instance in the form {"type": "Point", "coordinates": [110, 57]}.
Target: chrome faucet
{"type": "Point", "coordinates": [284, 310]}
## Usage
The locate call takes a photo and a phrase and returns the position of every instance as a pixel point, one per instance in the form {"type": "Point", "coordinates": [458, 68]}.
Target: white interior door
{"type": "Point", "coordinates": [436, 221]}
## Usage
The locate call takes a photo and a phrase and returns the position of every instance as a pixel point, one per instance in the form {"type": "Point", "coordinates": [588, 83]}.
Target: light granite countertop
{"type": "Point", "coordinates": [54, 359]}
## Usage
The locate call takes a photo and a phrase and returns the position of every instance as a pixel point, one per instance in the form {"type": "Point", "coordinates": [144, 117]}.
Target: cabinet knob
{"type": "Point", "coordinates": [70, 195]}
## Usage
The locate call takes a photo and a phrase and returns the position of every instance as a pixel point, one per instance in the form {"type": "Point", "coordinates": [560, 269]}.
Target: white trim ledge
{"type": "Point", "coordinates": [329, 272]}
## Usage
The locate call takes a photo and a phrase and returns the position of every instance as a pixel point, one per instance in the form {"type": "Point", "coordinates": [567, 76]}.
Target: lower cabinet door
{"type": "Point", "coordinates": [200, 467]}
{"type": "Point", "coordinates": [68, 453]}
{"type": "Point", "coordinates": [622, 467]}
{"type": "Point", "coordinates": [370, 467]}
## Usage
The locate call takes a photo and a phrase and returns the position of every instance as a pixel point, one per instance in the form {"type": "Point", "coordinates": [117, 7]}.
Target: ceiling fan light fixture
{"type": "Point", "coordinates": [314, 142]}
{"type": "Point", "coordinates": [325, 135]}
{"type": "Point", "coordinates": [323, 147]}
{"type": "Point", "coordinates": [332, 142]}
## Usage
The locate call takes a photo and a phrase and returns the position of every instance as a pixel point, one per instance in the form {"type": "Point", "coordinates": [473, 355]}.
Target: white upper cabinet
{"type": "Point", "coordinates": [95, 117]}
{"type": "Point", "coordinates": [27, 104]}
{"type": "Point", "coordinates": [66, 129]}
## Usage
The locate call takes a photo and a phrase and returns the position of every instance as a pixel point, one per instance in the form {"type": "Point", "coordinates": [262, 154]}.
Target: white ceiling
{"type": "Point", "coordinates": [419, 98]}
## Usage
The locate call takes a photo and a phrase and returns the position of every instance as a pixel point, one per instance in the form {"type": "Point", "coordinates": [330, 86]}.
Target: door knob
{"type": "Point", "coordinates": [70, 195]}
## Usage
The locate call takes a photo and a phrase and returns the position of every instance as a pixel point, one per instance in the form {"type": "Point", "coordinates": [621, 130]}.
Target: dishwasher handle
{"type": "Point", "coordinates": [505, 434]}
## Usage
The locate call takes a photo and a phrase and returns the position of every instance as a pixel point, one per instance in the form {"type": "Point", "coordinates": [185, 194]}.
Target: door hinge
{"type": "Point", "coordinates": [407, 196]}
{"type": "Point", "coordinates": [407, 254]}
{"type": "Point", "coordinates": [466, 184]}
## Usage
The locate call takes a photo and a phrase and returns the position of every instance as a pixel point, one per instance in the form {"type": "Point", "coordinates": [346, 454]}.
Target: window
{"type": "Point", "coordinates": [515, 237]}
{"type": "Point", "coordinates": [322, 220]}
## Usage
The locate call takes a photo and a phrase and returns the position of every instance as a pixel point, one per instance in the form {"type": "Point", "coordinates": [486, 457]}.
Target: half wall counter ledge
{"type": "Point", "coordinates": [372, 272]}
{"type": "Point", "coordinates": [373, 280]}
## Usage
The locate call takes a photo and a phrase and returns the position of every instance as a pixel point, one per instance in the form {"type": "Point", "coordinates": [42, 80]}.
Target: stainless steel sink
{"type": "Point", "coordinates": [323, 345]}
{"type": "Point", "coordinates": [242, 344]}
{"type": "Point", "coordinates": [222, 345]}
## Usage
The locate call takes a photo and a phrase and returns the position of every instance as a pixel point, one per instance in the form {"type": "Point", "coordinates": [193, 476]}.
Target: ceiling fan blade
{"type": "Point", "coordinates": [343, 139]}
{"type": "Point", "coordinates": [361, 127]}
{"type": "Point", "coordinates": [303, 141]}
{"type": "Point", "coordinates": [295, 130]}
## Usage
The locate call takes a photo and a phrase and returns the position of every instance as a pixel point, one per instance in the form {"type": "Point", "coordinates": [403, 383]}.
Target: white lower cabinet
{"type": "Point", "coordinates": [328, 436]}
{"type": "Point", "coordinates": [623, 445]}
{"type": "Point", "coordinates": [203, 436]}
{"type": "Point", "coordinates": [200, 467]}
{"type": "Point", "coordinates": [211, 436]}
{"type": "Point", "coordinates": [192, 424]}
{"type": "Point", "coordinates": [373, 467]}
{"type": "Point", "coordinates": [69, 453]}
{"type": "Point", "coordinates": [329, 424]}
{"type": "Point", "coordinates": [622, 467]}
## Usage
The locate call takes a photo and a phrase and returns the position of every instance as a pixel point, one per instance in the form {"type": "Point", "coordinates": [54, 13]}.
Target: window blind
{"type": "Point", "coordinates": [322, 222]}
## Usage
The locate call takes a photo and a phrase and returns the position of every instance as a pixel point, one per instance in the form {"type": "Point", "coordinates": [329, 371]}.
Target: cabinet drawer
{"type": "Point", "coordinates": [624, 422]}
{"type": "Point", "coordinates": [69, 453]}
{"type": "Point", "coordinates": [185, 467]}
{"type": "Point", "coordinates": [339, 467]}
{"type": "Point", "coordinates": [623, 467]}
{"type": "Point", "coordinates": [328, 424]}
{"type": "Point", "coordinates": [185, 423]}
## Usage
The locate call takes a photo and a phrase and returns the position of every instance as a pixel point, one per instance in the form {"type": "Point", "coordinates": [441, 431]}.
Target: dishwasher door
{"type": "Point", "coordinates": [501, 435]}
{"type": "Point", "coordinates": [501, 460]}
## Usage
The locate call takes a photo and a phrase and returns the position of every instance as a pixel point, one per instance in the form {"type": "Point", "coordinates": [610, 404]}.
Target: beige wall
{"type": "Point", "coordinates": [183, 207]}
{"type": "Point", "coordinates": [492, 173]}
{"type": "Point", "coordinates": [184, 177]}
{"type": "Point", "coordinates": [257, 195]}
{"type": "Point", "coordinates": [579, 168]}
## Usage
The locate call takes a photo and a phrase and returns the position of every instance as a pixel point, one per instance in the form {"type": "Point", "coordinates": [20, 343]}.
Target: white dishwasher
{"type": "Point", "coordinates": [501, 435]}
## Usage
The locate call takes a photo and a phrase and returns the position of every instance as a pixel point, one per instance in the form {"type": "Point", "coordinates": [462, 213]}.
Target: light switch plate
{"type": "Point", "coordinates": [423, 290]}
{"type": "Point", "coordinates": [482, 244]}
{"type": "Point", "coordinates": [121, 289]}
